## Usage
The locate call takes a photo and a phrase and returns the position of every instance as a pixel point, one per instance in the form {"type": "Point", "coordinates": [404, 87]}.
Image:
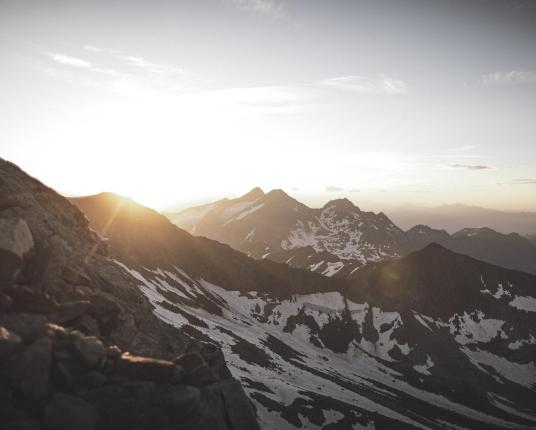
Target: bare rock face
{"type": "Point", "coordinates": [9, 342]}
{"type": "Point", "coordinates": [66, 412]}
{"type": "Point", "coordinates": [32, 371]}
{"type": "Point", "coordinates": [15, 243]}
{"type": "Point", "coordinates": [68, 314]}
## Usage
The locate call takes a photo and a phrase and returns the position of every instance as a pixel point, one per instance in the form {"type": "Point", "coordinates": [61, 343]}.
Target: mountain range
{"type": "Point", "coordinates": [339, 238]}
{"type": "Point", "coordinates": [188, 332]}
{"type": "Point", "coordinates": [431, 340]}
{"type": "Point", "coordinates": [454, 217]}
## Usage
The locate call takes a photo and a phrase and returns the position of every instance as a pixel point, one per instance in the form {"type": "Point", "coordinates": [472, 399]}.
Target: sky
{"type": "Point", "coordinates": [175, 103]}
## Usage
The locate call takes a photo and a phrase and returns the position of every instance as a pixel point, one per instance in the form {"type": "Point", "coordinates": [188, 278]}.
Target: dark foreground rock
{"type": "Point", "coordinates": [80, 346]}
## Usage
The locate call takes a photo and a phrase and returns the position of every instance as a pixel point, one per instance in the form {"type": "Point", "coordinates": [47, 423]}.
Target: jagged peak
{"type": "Point", "coordinates": [254, 193]}
{"type": "Point", "coordinates": [342, 203]}
{"type": "Point", "coordinates": [468, 232]}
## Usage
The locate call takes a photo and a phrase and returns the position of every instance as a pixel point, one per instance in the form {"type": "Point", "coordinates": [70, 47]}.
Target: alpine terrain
{"type": "Point", "coordinates": [339, 238]}
{"type": "Point", "coordinates": [433, 340]}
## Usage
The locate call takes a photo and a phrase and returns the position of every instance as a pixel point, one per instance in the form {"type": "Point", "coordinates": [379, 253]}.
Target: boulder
{"type": "Point", "coordinates": [31, 375]}
{"type": "Point", "coordinates": [9, 343]}
{"type": "Point", "coordinates": [23, 424]}
{"type": "Point", "coordinates": [75, 277]}
{"type": "Point", "coordinates": [15, 242]}
{"type": "Point", "coordinates": [29, 327]}
{"type": "Point", "coordinates": [70, 311]}
{"type": "Point", "coordinates": [65, 412]}
{"type": "Point", "coordinates": [27, 300]}
{"type": "Point", "coordinates": [90, 349]}
{"type": "Point", "coordinates": [114, 351]}
{"type": "Point", "coordinates": [190, 361]}
{"type": "Point", "coordinates": [149, 369]}
{"type": "Point", "coordinates": [6, 303]}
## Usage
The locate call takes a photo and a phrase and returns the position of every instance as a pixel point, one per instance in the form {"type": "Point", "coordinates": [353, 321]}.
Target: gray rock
{"type": "Point", "coordinates": [6, 303]}
{"type": "Point", "coordinates": [15, 242]}
{"type": "Point", "coordinates": [72, 310]}
{"type": "Point", "coordinates": [90, 349]}
{"type": "Point", "coordinates": [23, 424]}
{"type": "Point", "coordinates": [25, 299]}
{"type": "Point", "coordinates": [146, 368]}
{"type": "Point", "coordinates": [65, 412]}
{"type": "Point", "coordinates": [114, 351]}
{"type": "Point", "coordinates": [32, 371]}
{"type": "Point", "coordinates": [190, 361]}
{"type": "Point", "coordinates": [75, 277]}
{"type": "Point", "coordinates": [9, 342]}
{"type": "Point", "coordinates": [29, 327]}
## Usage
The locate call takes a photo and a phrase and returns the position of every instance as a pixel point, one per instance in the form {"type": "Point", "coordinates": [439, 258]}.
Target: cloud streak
{"type": "Point", "coordinates": [522, 181]}
{"type": "Point", "coordinates": [273, 8]}
{"type": "Point", "coordinates": [513, 77]}
{"type": "Point", "coordinates": [470, 166]}
{"type": "Point", "coordinates": [366, 85]}
{"type": "Point", "coordinates": [333, 189]}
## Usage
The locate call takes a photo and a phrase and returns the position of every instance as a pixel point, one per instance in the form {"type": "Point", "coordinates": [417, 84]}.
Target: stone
{"type": "Point", "coordinates": [66, 412]}
{"type": "Point", "coordinates": [32, 371]}
{"type": "Point", "coordinates": [29, 327]}
{"type": "Point", "coordinates": [62, 376]}
{"type": "Point", "coordinates": [27, 300]}
{"type": "Point", "coordinates": [16, 242]}
{"type": "Point", "coordinates": [146, 368]}
{"type": "Point", "coordinates": [9, 343]}
{"type": "Point", "coordinates": [23, 424]}
{"type": "Point", "coordinates": [114, 351]}
{"type": "Point", "coordinates": [238, 408]}
{"type": "Point", "coordinates": [200, 376]}
{"type": "Point", "coordinates": [190, 361]}
{"type": "Point", "coordinates": [91, 380]}
{"type": "Point", "coordinates": [70, 311]}
{"type": "Point", "coordinates": [90, 349]}
{"type": "Point", "coordinates": [6, 303]}
{"type": "Point", "coordinates": [75, 277]}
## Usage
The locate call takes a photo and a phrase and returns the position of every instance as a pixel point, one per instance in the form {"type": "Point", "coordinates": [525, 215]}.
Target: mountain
{"type": "Point", "coordinates": [335, 239]}
{"type": "Point", "coordinates": [455, 217]}
{"type": "Point", "coordinates": [532, 238]}
{"type": "Point", "coordinates": [339, 238]}
{"type": "Point", "coordinates": [508, 250]}
{"type": "Point", "coordinates": [80, 345]}
{"type": "Point", "coordinates": [433, 340]}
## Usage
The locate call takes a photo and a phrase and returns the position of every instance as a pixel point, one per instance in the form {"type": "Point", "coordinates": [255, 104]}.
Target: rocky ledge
{"type": "Point", "coordinates": [80, 347]}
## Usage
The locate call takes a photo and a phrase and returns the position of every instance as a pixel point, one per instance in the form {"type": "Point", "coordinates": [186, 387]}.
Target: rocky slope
{"type": "Point", "coordinates": [339, 238]}
{"type": "Point", "coordinates": [80, 346]}
{"type": "Point", "coordinates": [433, 340]}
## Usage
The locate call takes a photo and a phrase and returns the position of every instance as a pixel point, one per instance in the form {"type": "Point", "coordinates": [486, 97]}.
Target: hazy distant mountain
{"type": "Point", "coordinates": [457, 216]}
{"type": "Point", "coordinates": [507, 250]}
{"type": "Point", "coordinates": [338, 238]}
{"type": "Point", "coordinates": [434, 340]}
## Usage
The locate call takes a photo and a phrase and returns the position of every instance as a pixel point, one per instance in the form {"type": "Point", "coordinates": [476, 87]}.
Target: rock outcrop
{"type": "Point", "coordinates": [80, 346]}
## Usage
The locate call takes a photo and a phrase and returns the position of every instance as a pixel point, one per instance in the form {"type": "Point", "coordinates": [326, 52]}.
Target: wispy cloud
{"type": "Point", "coordinates": [69, 61]}
{"type": "Point", "coordinates": [514, 77]}
{"type": "Point", "coordinates": [470, 166]}
{"type": "Point", "coordinates": [523, 181]}
{"type": "Point", "coordinates": [273, 8]}
{"type": "Point", "coordinates": [366, 85]}
{"type": "Point", "coordinates": [334, 189]}
{"type": "Point", "coordinates": [355, 190]}
{"type": "Point", "coordinates": [117, 71]}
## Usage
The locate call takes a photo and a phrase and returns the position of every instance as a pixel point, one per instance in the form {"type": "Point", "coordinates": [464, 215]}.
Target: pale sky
{"type": "Point", "coordinates": [179, 102]}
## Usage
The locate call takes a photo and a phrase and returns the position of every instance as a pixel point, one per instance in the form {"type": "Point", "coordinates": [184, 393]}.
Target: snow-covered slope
{"type": "Point", "coordinates": [325, 361]}
{"type": "Point", "coordinates": [433, 340]}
